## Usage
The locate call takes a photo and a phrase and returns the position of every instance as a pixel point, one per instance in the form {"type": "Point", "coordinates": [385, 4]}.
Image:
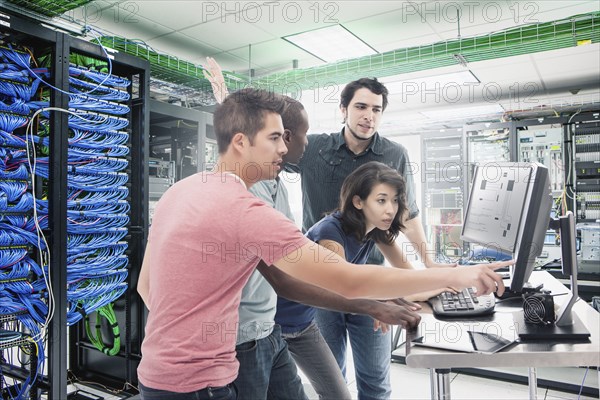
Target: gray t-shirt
{"type": "Point", "coordinates": [259, 300]}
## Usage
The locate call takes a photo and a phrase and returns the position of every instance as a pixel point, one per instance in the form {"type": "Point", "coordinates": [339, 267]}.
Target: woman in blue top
{"type": "Point", "coordinates": [372, 204]}
{"type": "Point", "coordinates": [371, 210]}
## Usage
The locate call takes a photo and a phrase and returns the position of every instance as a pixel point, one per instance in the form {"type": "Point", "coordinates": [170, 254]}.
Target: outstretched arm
{"type": "Point", "coordinates": [319, 266]}
{"type": "Point", "coordinates": [296, 290]}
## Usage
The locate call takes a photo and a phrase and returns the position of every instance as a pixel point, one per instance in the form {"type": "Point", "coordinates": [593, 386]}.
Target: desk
{"type": "Point", "coordinates": [529, 354]}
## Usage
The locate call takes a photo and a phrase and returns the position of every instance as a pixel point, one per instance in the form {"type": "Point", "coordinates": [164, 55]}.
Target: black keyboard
{"type": "Point", "coordinates": [463, 304]}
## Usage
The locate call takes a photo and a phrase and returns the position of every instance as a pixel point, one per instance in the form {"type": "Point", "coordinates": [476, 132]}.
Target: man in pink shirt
{"type": "Point", "coordinates": [208, 235]}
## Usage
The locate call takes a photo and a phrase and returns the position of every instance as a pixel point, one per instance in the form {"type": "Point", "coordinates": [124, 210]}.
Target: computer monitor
{"type": "Point", "coordinates": [509, 210]}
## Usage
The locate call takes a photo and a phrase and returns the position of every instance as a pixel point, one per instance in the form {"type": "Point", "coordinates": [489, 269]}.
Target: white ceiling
{"type": "Point", "coordinates": [242, 35]}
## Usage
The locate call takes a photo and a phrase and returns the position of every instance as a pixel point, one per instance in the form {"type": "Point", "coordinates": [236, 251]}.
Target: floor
{"type": "Point", "coordinates": [413, 384]}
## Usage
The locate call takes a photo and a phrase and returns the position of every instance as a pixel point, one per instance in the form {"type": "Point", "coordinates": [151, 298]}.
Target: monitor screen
{"type": "Point", "coordinates": [509, 210]}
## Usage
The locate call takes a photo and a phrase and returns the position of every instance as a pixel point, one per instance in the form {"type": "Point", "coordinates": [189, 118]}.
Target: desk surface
{"type": "Point", "coordinates": [525, 354]}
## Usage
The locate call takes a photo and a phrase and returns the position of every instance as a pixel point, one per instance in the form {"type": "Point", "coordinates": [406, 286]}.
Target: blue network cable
{"type": "Point", "coordinates": [11, 274]}
{"type": "Point", "coordinates": [88, 121]}
{"type": "Point", "coordinates": [13, 189]}
{"type": "Point", "coordinates": [84, 242]}
{"type": "Point", "coordinates": [22, 289]}
{"type": "Point", "coordinates": [97, 177]}
{"type": "Point", "coordinates": [10, 122]}
{"type": "Point", "coordinates": [11, 73]}
{"type": "Point", "coordinates": [14, 105]}
{"type": "Point", "coordinates": [107, 208]}
{"type": "Point", "coordinates": [99, 77]}
{"type": "Point", "coordinates": [11, 156]}
{"type": "Point", "coordinates": [101, 139]}
{"type": "Point", "coordinates": [10, 140]}
{"type": "Point", "coordinates": [19, 89]}
{"type": "Point", "coordinates": [78, 197]}
{"type": "Point", "coordinates": [16, 219]}
{"type": "Point", "coordinates": [20, 269]}
{"type": "Point", "coordinates": [24, 60]}
{"type": "Point", "coordinates": [16, 172]}
{"type": "Point", "coordinates": [87, 103]}
{"type": "Point", "coordinates": [99, 164]}
{"type": "Point", "coordinates": [99, 267]}
{"type": "Point", "coordinates": [12, 235]}
{"type": "Point", "coordinates": [11, 255]}
{"type": "Point", "coordinates": [86, 144]}
{"type": "Point", "coordinates": [101, 181]}
{"type": "Point", "coordinates": [103, 93]}
{"type": "Point", "coordinates": [82, 226]}
{"type": "Point", "coordinates": [15, 57]}
{"type": "Point", "coordinates": [14, 81]}
{"type": "Point", "coordinates": [114, 151]}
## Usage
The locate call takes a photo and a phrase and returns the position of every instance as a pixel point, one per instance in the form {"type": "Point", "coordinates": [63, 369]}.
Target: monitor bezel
{"type": "Point", "coordinates": [533, 221]}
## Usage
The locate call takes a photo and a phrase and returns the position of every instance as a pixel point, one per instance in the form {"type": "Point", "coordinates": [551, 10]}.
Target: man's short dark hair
{"type": "Point", "coordinates": [372, 84]}
{"type": "Point", "coordinates": [244, 111]}
{"type": "Point", "coordinates": [292, 116]}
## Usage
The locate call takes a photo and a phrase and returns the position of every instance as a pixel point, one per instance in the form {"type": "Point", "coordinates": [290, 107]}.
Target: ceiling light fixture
{"type": "Point", "coordinates": [331, 44]}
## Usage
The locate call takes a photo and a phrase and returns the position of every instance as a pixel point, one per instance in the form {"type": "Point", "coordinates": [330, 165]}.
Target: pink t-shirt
{"type": "Point", "coordinates": [208, 234]}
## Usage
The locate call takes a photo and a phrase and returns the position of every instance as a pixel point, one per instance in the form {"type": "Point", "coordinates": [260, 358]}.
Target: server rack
{"type": "Point", "coordinates": [579, 148]}
{"type": "Point", "coordinates": [585, 143]}
{"type": "Point", "coordinates": [179, 135]}
{"type": "Point", "coordinates": [42, 40]}
{"type": "Point", "coordinates": [87, 362]}
{"type": "Point", "coordinates": [443, 194]}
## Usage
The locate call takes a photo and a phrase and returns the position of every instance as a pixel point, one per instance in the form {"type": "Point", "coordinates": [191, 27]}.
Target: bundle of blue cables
{"type": "Point", "coordinates": [23, 290]}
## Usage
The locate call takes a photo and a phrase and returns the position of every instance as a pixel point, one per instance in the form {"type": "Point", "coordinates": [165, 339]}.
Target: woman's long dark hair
{"type": "Point", "coordinates": [360, 183]}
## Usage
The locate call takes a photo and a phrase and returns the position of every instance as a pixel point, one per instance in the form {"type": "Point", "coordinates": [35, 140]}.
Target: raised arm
{"type": "Point", "coordinates": [212, 71]}
{"type": "Point", "coordinates": [301, 292]}
{"type": "Point", "coordinates": [321, 267]}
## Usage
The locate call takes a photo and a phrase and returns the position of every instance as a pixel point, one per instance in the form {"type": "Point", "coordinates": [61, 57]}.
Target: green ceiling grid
{"type": "Point", "coordinates": [50, 8]}
{"type": "Point", "coordinates": [169, 68]}
{"type": "Point", "coordinates": [511, 42]}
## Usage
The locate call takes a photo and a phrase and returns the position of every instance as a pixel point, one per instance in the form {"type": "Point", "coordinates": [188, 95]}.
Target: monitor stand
{"type": "Point", "coordinates": [567, 325]}
{"type": "Point", "coordinates": [528, 331]}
